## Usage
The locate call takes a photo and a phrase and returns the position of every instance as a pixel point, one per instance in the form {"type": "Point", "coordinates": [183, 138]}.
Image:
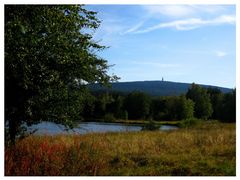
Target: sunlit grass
{"type": "Point", "coordinates": [146, 121]}
{"type": "Point", "coordinates": [209, 149]}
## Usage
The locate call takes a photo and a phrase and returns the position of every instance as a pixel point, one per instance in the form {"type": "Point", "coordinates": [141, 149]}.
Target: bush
{"type": "Point", "coordinates": [190, 122]}
{"type": "Point", "coordinates": [151, 126]}
{"type": "Point", "coordinates": [160, 116]}
{"type": "Point", "coordinates": [109, 117]}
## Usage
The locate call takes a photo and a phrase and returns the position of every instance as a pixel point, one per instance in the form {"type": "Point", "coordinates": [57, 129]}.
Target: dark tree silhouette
{"type": "Point", "coordinates": [49, 56]}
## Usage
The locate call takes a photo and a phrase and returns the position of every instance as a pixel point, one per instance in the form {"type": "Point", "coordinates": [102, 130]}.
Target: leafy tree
{"type": "Point", "coordinates": [177, 108]}
{"type": "Point", "coordinates": [216, 97]}
{"type": "Point", "coordinates": [116, 106]}
{"type": "Point", "coordinates": [102, 103]}
{"type": "Point", "coordinates": [137, 105]}
{"type": "Point", "coordinates": [186, 108]}
{"type": "Point", "coordinates": [203, 106]}
{"type": "Point", "coordinates": [151, 126]}
{"type": "Point", "coordinates": [171, 108]}
{"type": "Point", "coordinates": [89, 106]}
{"type": "Point", "coordinates": [158, 108]}
{"type": "Point", "coordinates": [228, 109]}
{"type": "Point", "coordinates": [49, 55]}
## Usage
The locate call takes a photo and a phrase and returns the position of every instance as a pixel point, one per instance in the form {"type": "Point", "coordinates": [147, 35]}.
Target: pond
{"type": "Point", "coordinates": [89, 127]}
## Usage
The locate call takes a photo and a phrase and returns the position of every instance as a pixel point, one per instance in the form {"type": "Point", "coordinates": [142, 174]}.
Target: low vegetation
{"type": "Point", "coordinates": [207, 150]}
{"type": "Point", "coordinates": [47, 73]}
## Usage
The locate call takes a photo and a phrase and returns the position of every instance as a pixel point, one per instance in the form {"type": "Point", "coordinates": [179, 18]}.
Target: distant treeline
{"type": "Point", "coordinates": [198, 102]}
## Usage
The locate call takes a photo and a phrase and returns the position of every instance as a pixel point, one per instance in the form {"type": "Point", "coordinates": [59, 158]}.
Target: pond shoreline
{"type": "Point", "coordinates": [92, 127]}
{"type": "Point", "coordinates": [133, 122]}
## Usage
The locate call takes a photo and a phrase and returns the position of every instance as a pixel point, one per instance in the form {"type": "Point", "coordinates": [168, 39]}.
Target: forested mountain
{"type": "Point", "coordinates": [153, 88]}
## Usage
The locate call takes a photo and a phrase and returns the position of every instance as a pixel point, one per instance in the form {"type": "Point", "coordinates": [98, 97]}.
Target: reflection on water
{"type": "Point", "coordinates": [88, 127]}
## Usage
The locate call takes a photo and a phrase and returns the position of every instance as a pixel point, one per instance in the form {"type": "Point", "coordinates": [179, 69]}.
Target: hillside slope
{"type": "Point", "coordinates": [153, 88]}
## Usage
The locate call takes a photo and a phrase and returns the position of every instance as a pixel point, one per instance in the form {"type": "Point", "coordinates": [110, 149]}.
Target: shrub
{"type": "Point", "coordinates": [190, 122]}
{"type": "Point", "coordinates": [151, 125]}
{"type": "Point", "coordinates": [160, 116]}
{"type": "Point", "coordinates": [109, 117]}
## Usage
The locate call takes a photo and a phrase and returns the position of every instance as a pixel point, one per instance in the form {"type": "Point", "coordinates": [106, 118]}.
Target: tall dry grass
{"type": "Point", "coordinates": [209, 149]}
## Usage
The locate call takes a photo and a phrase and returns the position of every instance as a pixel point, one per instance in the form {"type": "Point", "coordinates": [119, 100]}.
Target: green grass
{"type": "Point", "coordinates": [143, 122]}
{"type": "Point", "coordinates": [206, 150]}
{"type": "Point", "coordinates": [134, 122]}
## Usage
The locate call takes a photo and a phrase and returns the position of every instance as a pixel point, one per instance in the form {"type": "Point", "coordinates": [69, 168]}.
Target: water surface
{"type": "Point", "coordinates": [89, 127]}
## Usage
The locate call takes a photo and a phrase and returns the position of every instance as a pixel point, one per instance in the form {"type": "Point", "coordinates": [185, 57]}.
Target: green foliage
{"type": "Point", "coordinates": [137, 105]}
{"type": "Point", "coordinates": [216, 97]}
{"type": "Point", "coordinates": [190, 122]}
{"type": "Point", "coordinates": [228, 107]}
{"type": "Point", "coordinates": [125, 115]}
{"type": "Point", "coordinates": [169, 108]}
{"type": "Point", "coordinates": [172, 108]}
{"type": "Point", "coordinates": [116, 106]}
{"type": "Point", "coordinates": [109, 117]}
{"type": "Point", "coordinates": [203, 107]}
{"type": "Point", "coordinates": [186, 108]}
{"type": "Point", "coordinates": [89, 106]}
{"type": "Point", "coordinates": [151, 126]}
{"type": "Point", "coordinates": [101, 103]}
{"type": "Point", "coordinates": [49, 56]}
{"type": "Point", "coordinates": [224, 105]}
{"type": "Point", "coordinates": [158, 108]}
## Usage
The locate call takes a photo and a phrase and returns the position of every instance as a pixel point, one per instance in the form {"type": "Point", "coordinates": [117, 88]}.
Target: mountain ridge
{"type": "Point", "coordinates": [153, 88]}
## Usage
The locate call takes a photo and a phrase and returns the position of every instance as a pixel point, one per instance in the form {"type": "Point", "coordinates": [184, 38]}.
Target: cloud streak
{"type": "Point", "coordinates": [186, 24]}
{"type": "Point", "coordinates": [181, 11]}
{"type": "Point", "coordinates": [170, 10]}
{"type": "Point", "coordinates": [220, 53]}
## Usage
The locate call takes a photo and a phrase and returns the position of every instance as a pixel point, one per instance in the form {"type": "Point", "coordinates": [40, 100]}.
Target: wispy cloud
{"type": "Point", "coordinates": [134, 28]}
{"type": "Point", "coordinates": [170, 10]}
{"type": "Point", "coordinates": [189, 24]}
{"type": "Point", "coordinates": [181, 17]}
{"type": "Point", "coordinates": [180, 11]}
{"type": "Point", "coordinates": [210, 9]}
{"type": "Point", "coordinates": [220, 53]}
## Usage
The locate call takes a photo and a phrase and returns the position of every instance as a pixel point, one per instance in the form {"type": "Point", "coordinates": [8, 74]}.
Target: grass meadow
{"type": "Point", "coordinates": [206, 150]}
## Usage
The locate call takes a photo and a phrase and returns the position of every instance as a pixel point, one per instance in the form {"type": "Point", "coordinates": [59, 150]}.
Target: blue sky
{"type": "Point", "coordinates": [181, 43]}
